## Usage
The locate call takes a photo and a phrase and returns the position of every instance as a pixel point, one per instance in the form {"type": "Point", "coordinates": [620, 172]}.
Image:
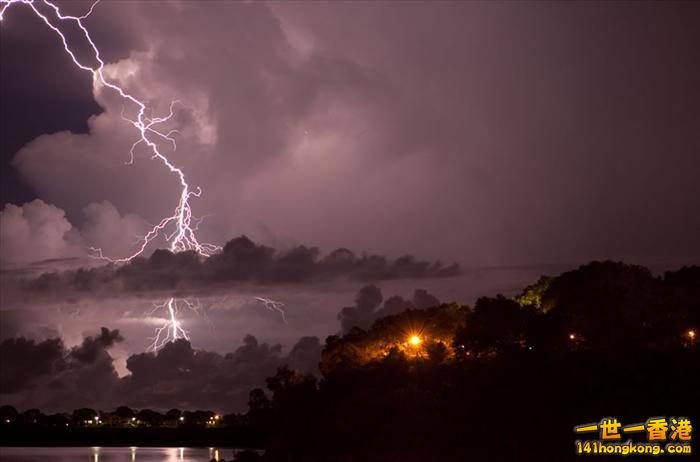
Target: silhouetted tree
{"type": "Point", "coordinates": [198, 417]}
{"type": "Point", "coordinates": [8, 413]}
{"type": "Point", "coordinates": [496, 324]}
{"type": "Point", "coordinates": [259, 414]}
{"type": "Point", "coordinates": [532, 295]}
{"type": "Point", "coordinates": [32, 416]}
{"type": "Point", "coordinates": [124, 412]}
{"type": "Point", "coordinates": [82, 415]}
{"type": "Point", "coordinates": [149, 417]}
{"type": "Point", "coordinates": [438, 352]}
{"type": "Point", "coordinates": [173, 414]}
{"type": "Point", "coordinates": [58, 420]}
{"type": "Point", "coordinates": [607, 305]}
{"type": "Point", "coordinates": [289, 386]}
{"type": "Point", "coordinates": [678, 305]}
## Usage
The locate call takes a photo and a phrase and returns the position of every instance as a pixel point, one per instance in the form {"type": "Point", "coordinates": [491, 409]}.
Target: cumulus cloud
{"type": "Point", "coordinates": [24, 360]}
{"type": "Point", "coordinates": [183, 377]}
{"type": "Point", "coordinates": [92, 347]}
{"type": "Point", "coordinates": [35, 231]}
{"type": "Point", "coordinates": [49, 376]}
{"type": "Point", "coordinates": [368, 307]}
{"type": "Point", "coordinates": [394, 130]}
{"type": "Point", "coordinates": [269, 126]}
{"type": "Point", "coordinates": [241, 261]}
{"type": "Point", "coordinates": [47, 373]}
{"type": "Point", "coordinates": [305, 355]}
{"type": "Point", "coordinates": [114, 233]}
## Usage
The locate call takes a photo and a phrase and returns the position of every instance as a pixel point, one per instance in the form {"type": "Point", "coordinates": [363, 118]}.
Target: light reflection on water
{"type": "Point", "coordinates": [105, 454]}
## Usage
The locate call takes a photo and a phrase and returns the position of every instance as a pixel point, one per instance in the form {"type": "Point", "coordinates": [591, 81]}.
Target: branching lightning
{"type": "Point", "coordinates": [179, 228]}
{"type": "Point", "coordinates": [172, 330]}
{"type": "Point", "coordinates": [273, 305]}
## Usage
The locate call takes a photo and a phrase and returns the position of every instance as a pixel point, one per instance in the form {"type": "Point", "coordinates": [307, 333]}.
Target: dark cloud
{"type": "Point", "coordinates": [93, 347]}
{"type": "Point", "coordinates": [49, 376]}
{"type": "Point", "coordinates": [179, 376]}
{"type": "Point", "coordinates": [367, 307]}
{"type": "Point", "coordinates": [240, 261]}
{"type": "Point", "coordinates": [46, 374]}
{"type": "Point", "coordinates": [24, 360]}
{"type": "Point", "coordinates": [305, 355]}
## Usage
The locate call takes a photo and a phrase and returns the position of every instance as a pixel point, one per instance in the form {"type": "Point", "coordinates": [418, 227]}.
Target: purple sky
{"type": "Point", "coordinates": [513, 138]}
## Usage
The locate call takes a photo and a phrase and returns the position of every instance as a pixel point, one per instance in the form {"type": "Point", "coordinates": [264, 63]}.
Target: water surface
{"type": "Point", "coordinates": [104, 454]}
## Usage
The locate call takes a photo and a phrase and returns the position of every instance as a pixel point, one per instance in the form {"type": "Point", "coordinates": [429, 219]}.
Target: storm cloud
{"type": "Point", "coordinates": [368, 307]}
{"type": "Point", "coordinates": [241, 261]}
{"type": "Point", "coordinates": [49, 375]}
{"type": "Point", "coordinates": [55, 377]}
{"type": "Point", "coordinates": [489, 134]}
{"type": "Point", "coordinates": [516, 139]}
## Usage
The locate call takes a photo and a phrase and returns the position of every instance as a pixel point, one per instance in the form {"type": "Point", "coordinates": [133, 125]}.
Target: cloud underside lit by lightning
{"type": "Point", "coordinates": [179, 228]}
{"type": "Point", "coordinates": [171, 330]}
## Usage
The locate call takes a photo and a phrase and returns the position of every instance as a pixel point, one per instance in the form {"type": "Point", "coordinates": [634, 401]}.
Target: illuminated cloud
{"type": "Point", "coordinates": [35, 231]}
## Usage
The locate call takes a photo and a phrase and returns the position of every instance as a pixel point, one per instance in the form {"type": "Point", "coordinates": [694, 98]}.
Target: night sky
{"type": "Point", "coordinates": [512, 138]}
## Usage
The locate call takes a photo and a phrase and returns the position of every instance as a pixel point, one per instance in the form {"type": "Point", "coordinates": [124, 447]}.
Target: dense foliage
{"type": "Point", "coordinates": [506, 380]}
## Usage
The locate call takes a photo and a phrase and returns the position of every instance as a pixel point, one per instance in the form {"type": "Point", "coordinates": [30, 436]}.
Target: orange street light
{"type": "Point", "coordinates": [415, 340]}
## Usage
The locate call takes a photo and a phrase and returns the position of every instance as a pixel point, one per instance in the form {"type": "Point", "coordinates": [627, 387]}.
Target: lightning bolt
{"type": "Point", "coordinates": [180, 227]}
{"type": "Point", "coordinates": [273, 306]}
{"type": "Point", "coordinates": [171, 330]}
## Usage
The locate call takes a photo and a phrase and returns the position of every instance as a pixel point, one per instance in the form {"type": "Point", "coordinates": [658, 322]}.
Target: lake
{"type": "Point", "coordinates": [105, 454]}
